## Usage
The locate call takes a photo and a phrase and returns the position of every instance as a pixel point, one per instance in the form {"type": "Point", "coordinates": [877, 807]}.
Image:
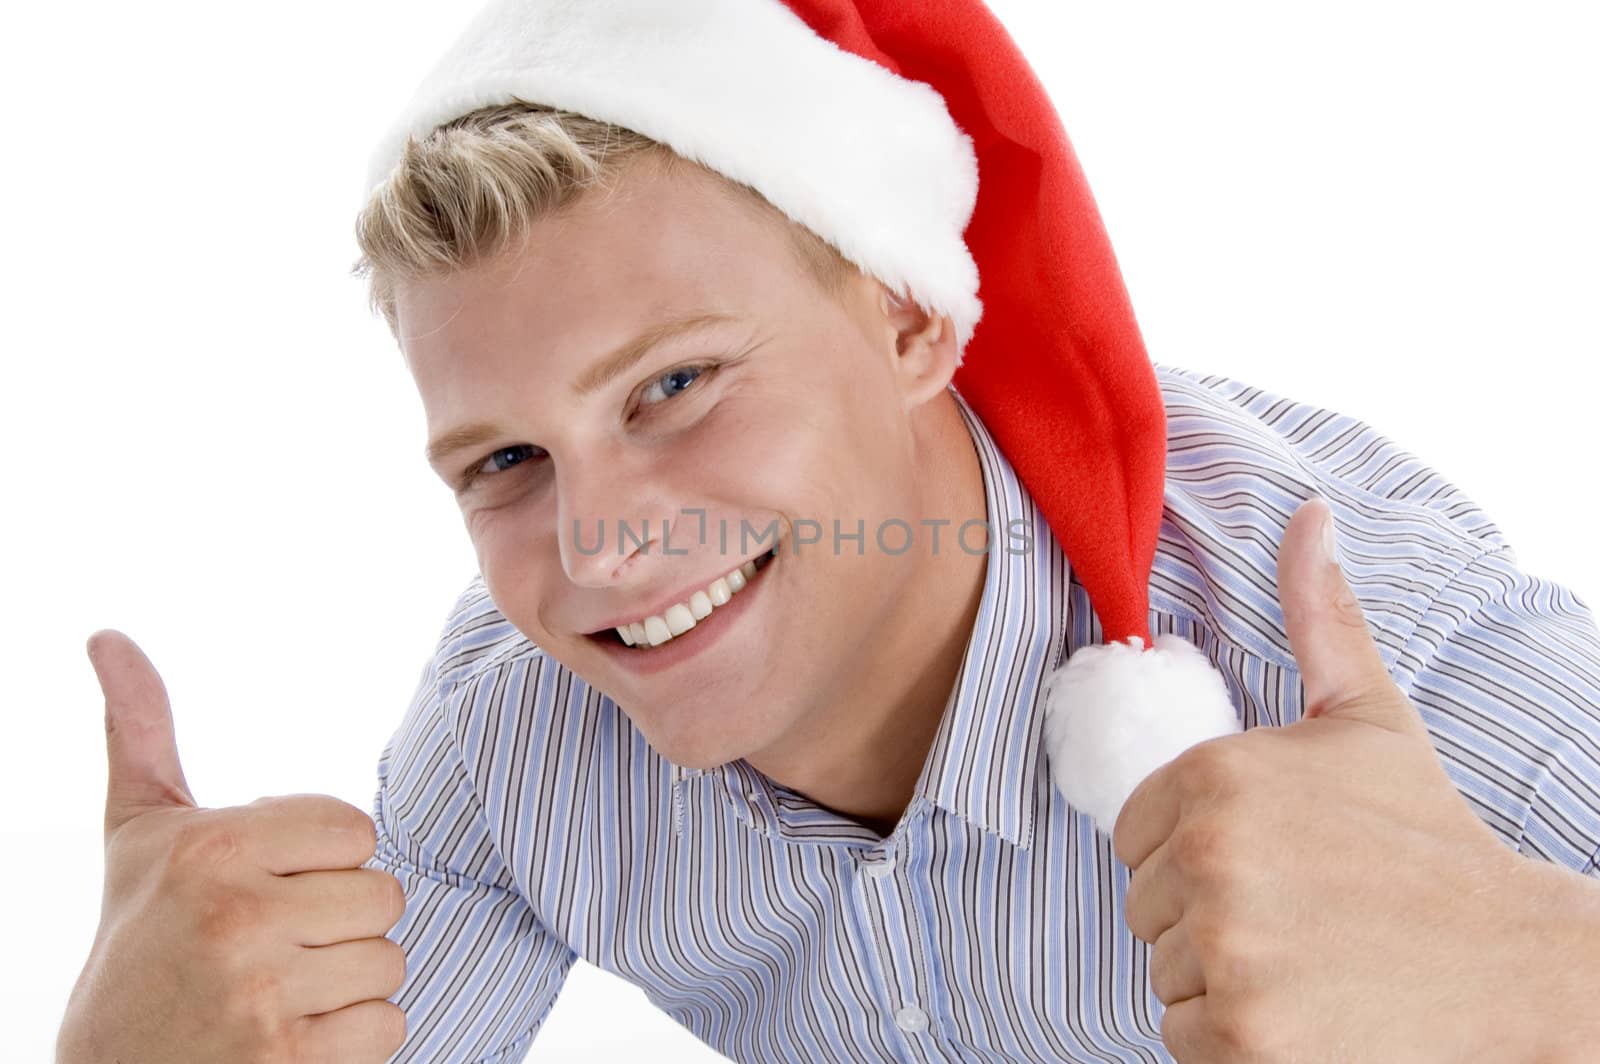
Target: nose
{"type": "Point", "coordinates": [609, 517]}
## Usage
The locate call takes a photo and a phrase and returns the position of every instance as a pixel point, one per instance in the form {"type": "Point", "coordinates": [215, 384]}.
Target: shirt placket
{"type": "Point", "coordinates": [885, 901]}
{"type": "Point", "coordinates": [886, 935]}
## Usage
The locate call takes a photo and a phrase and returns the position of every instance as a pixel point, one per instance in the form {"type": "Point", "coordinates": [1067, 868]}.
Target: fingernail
{"type": "Point", "coordinates": [1330, 542]}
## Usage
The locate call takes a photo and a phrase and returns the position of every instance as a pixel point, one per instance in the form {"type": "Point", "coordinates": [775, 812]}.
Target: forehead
{"type": "Point", "coordinates": [655, 241]}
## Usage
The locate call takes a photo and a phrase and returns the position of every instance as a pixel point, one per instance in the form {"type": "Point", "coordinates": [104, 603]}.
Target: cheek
{"type": "Point", "coordinates": [795, 437]}
{"type": "Point", "coordinates": [518, 556]}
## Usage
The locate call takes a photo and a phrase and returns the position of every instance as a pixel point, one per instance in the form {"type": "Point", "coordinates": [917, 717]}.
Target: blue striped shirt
{"type": "Point", "coordinates": [530, 824]}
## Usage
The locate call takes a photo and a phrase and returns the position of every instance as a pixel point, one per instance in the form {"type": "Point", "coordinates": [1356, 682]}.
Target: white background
{"type": "Point", "coordinates": [1384, 208]}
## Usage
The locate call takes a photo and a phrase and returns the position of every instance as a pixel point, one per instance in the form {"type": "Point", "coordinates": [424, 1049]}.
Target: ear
{"type": "Point", "coordinates": [925, 353]}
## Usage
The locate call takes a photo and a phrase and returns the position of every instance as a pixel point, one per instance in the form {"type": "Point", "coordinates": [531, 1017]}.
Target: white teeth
{"type": "Point", "coordinates": [679, 618]}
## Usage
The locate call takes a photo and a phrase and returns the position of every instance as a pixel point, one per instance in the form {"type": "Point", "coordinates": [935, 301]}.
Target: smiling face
{"type": "Point", "coordinates": [766, 404]}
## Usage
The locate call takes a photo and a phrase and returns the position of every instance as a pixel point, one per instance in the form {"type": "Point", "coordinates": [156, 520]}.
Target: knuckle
{"type": "Point", "coordinates": [346, 824]}
{"type": "Point", "coordinates": [393, 960]}
{"type": "Point", "coordinates": [300, 1043]}
{"type": "Point", "coordinates": [381, 1027]}
{"type": "Point", "coordinates": [1202, 848]}
{"type": "Point", "coordinates": [1134, 905]}
{"type": "Point", "coordinates": [282, 1049]}
{"type": "Point", "coordinates": [391, 1027]}
{"type": "Point", "coordinates": [367, 833]}
{"type": "Point", "coordinates": [1233, 965]}
{"type": "Point", "coordinates": [1208, 934]}
{"type": "Point", "coordinates": [1169, 1026]}
{"type": "Point", "coordinates": [1224, 948]}
{"type": "Point", "coordinates": [286, 806]}
{"type": "Point", "coordinates": [1246, 1028]}
{"type": "Point", "coordinates": [203, 843]}
{"type": "Point", "coordinates": [391, 898]}
{"type": "Point", "coordinates": [1347, 608]}
{"type": "Point", "coordinates": [253, 1007]}
{"type": "Point", "coordinates": [1161, 971]}
{"type": "Point", "coordinates": [1210, 770]}
{"type": "Point", "coordinates": [354, 826]}
{"type": "Point", "coordinates": [259, 996]}
{"type": "Point", "coordinates": [229, 918]}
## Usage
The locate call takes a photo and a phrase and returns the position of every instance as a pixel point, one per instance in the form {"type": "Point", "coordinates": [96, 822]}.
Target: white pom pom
{"type": "Point", "coordinates": [1116, 712]}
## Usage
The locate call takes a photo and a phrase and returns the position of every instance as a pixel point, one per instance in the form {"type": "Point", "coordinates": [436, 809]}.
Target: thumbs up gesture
{"type": "Point", "coordinates": [1322, 891]}
{"type": "Point", "coordinates": [242, 934]}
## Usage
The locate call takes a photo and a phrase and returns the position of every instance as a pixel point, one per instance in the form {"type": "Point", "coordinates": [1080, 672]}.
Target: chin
{"type": "Point", "coordinates": [695, 752]}
{"type": "Point", "coordinates": [705, 741]}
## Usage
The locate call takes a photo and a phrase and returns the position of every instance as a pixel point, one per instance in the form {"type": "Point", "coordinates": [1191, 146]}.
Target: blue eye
{"type": "Point", "coordinates": [506, 457]}
{"type": "Point", "coordinates": [670, 384]}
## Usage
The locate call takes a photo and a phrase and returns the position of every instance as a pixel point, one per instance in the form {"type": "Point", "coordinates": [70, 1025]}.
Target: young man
{"type": "Point", "coordinates": [801, 586]}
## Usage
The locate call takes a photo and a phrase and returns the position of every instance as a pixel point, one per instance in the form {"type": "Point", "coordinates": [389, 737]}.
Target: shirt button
{"type": "Point", "coordinates": [881, 869]}
{"type": "Point", "coordinates": [911, 1020]}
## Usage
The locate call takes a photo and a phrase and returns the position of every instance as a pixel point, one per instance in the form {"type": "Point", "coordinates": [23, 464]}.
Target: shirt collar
{"type": "Point", "coordinates": [984, 764]}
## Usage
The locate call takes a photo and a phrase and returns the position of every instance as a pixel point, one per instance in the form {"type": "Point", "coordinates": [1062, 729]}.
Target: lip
{"type": "Point", "coordinates": [704, 635]}
{"type": "Point", "coordinates": [683, 596]}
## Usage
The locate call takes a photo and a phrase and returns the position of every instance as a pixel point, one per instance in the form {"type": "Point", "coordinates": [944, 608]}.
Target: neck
{"type": "Point", "coordinates": [861, 756]}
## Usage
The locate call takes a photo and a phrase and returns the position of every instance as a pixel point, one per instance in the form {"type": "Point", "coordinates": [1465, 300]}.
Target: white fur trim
{"type": "Point", "coordinates": [1116, 712]}
{"type": "Point", "coordinates": [868, 160]}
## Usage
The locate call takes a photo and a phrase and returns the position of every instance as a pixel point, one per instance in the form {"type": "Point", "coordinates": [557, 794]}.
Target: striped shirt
{"type": "Point", "coordinates": [530, 824]}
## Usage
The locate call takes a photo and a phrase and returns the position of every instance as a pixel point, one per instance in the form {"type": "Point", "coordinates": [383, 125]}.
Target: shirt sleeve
{"type": "Point", "coordinates": [482, 971]}
{"type": "Point", "coordinates": [1505, 668]}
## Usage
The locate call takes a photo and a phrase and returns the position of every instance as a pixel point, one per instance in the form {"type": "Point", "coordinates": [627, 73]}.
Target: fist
{"type": "Point", "coordinates": [243, 934]}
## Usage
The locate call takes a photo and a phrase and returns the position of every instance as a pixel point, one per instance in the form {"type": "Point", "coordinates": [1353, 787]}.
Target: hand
{"type": "Point", "coordinates": [242, 934]}
{"type": "Point", "coordinates": [1322, 891]}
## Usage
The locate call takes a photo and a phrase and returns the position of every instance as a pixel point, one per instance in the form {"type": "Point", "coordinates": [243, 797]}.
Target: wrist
{"type": "Point", "coordinates": [76, 1039]}
{"type": "Point", "coordinates": [1556, 915]}
{"type": "Point", "coordinates": [73, 1045]}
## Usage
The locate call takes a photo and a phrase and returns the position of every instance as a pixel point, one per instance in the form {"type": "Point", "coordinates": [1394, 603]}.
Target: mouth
{"type": "Point", "coordinates": [647, 634]}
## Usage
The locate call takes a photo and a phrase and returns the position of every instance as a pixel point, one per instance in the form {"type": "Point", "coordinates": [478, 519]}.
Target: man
{"type": "Point", "coordinates": [723, 716]}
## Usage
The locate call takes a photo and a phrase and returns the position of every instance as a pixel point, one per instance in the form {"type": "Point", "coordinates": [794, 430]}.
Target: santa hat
{"type": "Point", "coordinates": [870, 123]}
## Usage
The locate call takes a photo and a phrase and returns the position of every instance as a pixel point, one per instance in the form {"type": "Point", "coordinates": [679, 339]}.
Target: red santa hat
{"type": "Point", "coordinates": [870, 122]}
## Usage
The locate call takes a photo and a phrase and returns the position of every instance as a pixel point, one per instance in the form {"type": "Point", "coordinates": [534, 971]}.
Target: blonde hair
{"type": "Point", "coordinates": [464, 192]}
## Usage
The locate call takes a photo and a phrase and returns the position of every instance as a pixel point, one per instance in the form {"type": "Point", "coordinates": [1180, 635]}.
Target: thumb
{"type": "Point", "coordinates": [142, 767]}
{"type": "Point", "coordinates": [1340, 666]}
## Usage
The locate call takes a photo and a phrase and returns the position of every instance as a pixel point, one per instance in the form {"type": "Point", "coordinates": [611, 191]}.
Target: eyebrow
{"type": "Point", "coordinates": [593, 379]}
